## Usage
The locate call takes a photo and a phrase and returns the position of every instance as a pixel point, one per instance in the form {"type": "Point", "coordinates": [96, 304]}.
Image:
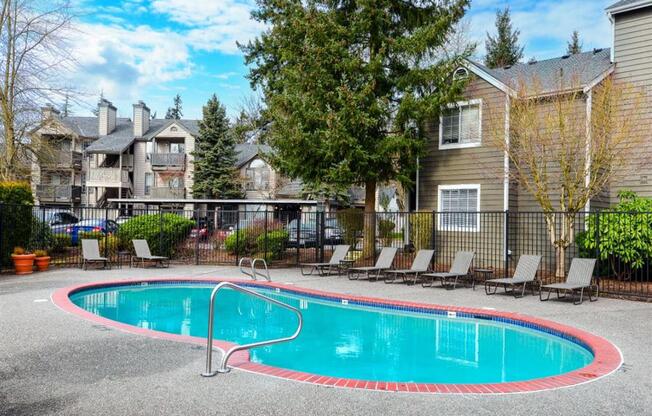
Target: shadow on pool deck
{"type": "Point", "coordinates": [52, 362]}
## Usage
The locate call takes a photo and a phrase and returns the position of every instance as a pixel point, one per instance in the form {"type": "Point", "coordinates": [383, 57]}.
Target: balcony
{"type": "Point", "coordinates": [168, 161]}
{"type": "Point", "coordinates": [62, 159]}
{"type": "Point", "coordinates": [58, 193]}
{"type": "Point", "coordinates": [108, 178]}
{"type": "Point", "coordinates": [167, 193]}
{"type": "Point", "coordinates": [127, 161]}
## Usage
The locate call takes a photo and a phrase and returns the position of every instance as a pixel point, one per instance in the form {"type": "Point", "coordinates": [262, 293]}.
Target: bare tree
{"type": "Point", "coordinates": [562, 159]}
{"type": "Point", "coordinates": [34, 58]}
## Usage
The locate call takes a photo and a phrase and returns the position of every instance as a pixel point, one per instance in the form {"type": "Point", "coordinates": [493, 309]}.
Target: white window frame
{"type": "Point", "coordinates": [441, 188]}
{"type": "Point", "coordinates": [458, 104]}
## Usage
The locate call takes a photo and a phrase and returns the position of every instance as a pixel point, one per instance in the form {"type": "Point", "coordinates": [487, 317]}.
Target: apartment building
{"type": "Point", "coordinates": [459, 171]}
{"type": "Point", "coordinates": [107, 156]}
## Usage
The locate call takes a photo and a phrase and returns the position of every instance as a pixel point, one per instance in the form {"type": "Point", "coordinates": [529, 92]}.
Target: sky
{"type": "Point", "coordinates": [151, 50]}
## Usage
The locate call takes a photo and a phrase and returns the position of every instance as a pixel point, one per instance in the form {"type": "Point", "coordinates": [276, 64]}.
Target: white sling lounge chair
{"type": "Point", "coordinates": [579, 278]}
{"type": "Point", "coordinates": [323, 269]}
{"type": "Point", "coordinates": [91, 254]}
{"type": "Point", "coordinates": [526, 272]}
{"type": "Point", "coordinates": [421, 264]}
{"type": "Point", "coordinates": [459, 269]}
{"type": "Point", "coordinates": [144, 255]}
{"type": "Point", "coordinates": [384, 263]}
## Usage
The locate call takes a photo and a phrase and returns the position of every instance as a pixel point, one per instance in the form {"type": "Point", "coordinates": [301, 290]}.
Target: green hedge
{"type": "Point", "coordinates": [352, 222]}
{"type": "Point", "coordinates": [163, 232]}
{"type": "Point", "coordinates": [17, 218]}
{"type": "Point", "coordinates": [60, 242]}
{"type": "Point", "coordinates": [421, 230]}
{"type": "Point", "coordinates": [275, 241]}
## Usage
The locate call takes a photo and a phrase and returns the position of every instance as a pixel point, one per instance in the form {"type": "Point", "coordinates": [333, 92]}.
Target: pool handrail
{"type": "Point", "coordinates": [222, 368]}
{"type": "Point", "coordinates": [254, 273]}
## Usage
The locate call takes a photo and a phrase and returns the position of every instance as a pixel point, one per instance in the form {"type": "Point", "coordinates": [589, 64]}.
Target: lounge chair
{"type": "Point", "coordinates": [421, 264]}
{"type": "Point", "coordinates": [460, 268]}
{"type": "Point", "coordinates": [143, 254]}
{"type": "Point", "coordinates": [91, 254]}
{"type": "Point", "coordinates": [384, 263]}
{"type": "Point", "coordinates": [526, 272]}
{"type": "Point", "coordinates": [579, 278]}
{"type": "Point", "coordinates": [325, 268]}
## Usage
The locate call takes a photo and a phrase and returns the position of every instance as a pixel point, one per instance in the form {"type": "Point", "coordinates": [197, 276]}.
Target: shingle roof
{"type": "Point", "coordinates": [565, 71]}
{"type": "Point", "coordinates": [626, 3]}
{"type": "Point", "coordinates": [123, 135]}
{"type": "Point", "coordinates": [117, 141]}
{"type": "Point", "coordinates": [247, 151]}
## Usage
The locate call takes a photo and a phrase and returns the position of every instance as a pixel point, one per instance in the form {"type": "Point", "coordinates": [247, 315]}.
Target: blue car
{"type": "Point", "coordinates": [106, 227]}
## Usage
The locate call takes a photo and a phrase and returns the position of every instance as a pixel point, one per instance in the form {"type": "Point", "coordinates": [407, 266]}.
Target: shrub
{"type": "Point", "coordinates": [60, 242]}
{"type": "Point", "coordinates": [244, 242]}
{"type": "Point", "coordinates": [109, 246]}
{"type": "Point", "coordinates": [421, 230]}
{"type": "Point", "coordinates": [622, 236]}
{"type": "Point", "coordinates": [40, 253]}
{"type": "Point", "coordinates": [352, 222]}
{"type": "Point", "coordinates": [40, 235]}
{"type": "Point", "coordinates": [162, 231]}
{"type": "Point", "coordinates": [275, 241]}
{"type": "Point", "coordinates": [385, 228]}
{"type": "Point", "coordinates": [16, 215]}
{"type": "Point", "coordinates": [90, 235]}
{"type": "Point", "coordinates": [19, 251]}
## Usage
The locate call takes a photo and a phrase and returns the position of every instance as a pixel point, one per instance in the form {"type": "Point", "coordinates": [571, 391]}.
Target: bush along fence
{"type": "Point", "coordinates": [620, 239]}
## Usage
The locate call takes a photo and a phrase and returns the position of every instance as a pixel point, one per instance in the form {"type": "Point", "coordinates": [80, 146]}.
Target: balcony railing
{"type": "Point", "coordinates": [58, 193]}
{"type": "Point", "coordinates": [107, 178]}
{"type": "Point", "coordinates": [63, 159]}
{"type": "Point", "coordinates": [168, 161]}
{"type": "Point", "coordinates": [167, 193]}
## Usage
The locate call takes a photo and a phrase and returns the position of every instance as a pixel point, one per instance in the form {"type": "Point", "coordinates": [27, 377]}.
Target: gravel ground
{"type": "Point", "coordinates": [52, 362]}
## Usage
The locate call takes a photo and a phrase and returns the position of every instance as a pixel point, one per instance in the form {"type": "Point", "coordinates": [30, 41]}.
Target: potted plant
{"type": "Point", "coordinates": [42, 260]}
{"type": "Point", "coordinates": [23, 261]}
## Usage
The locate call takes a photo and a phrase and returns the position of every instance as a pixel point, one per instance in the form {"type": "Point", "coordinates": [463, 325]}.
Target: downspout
{"type": "Point", "coordinates": [417, 186]}
{"type": "Point", "coordinates": [587, 161]}
{"type": "Point", "coordinates": [506, 250]}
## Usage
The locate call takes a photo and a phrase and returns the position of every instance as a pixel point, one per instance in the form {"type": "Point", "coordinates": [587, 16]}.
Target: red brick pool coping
{"type": "Point", "coordinates": [607, 357]}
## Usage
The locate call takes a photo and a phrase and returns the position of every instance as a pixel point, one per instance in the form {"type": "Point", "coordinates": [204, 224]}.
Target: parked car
{"type": "Point", "coordinates": [332, 233]}
{"type": "Point", "coordinates": [106, 227]}
{"type": "Point", "coordinates": [58, 220]}
{"type": "Point", "coordinates": [203, 230]}
{"type": "Point", "coordinates": [225, 230]}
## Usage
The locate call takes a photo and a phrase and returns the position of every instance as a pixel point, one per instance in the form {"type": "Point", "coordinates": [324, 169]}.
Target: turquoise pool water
{"type": "Point", "coordinates": [346, 341]}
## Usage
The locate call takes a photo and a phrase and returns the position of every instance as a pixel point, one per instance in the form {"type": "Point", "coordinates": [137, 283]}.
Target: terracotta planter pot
{"type": "Point", "coordinates": [42, 263]}
{"type": "Point", "coordinates": [23, 263]}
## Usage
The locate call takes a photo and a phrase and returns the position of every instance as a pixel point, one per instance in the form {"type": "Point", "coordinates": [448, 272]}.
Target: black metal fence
{"type": "Point", "coordinates": [622, 242]}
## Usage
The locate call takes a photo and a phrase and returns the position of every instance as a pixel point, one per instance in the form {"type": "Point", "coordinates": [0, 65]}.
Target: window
{"type": "Point", "coordinates": [461, 73]}
{"type": "Point", "coordinates": [149, 182]}
{"type": "Point", "coordinates": [175, 182]}
{"type": "Point", "coordinates": [149, 149]}
{"type": "Point", "coordinates": [257, 175]}
{"type": "Point", "coordinates": [458, 207]}
{"type": "Point", "coordinates": [177, 148]}
{"type": "Point", "coordinates": [459, 125]}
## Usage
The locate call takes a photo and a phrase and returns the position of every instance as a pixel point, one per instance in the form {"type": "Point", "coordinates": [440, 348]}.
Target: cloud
{"type": "Point", "coordinates": [121, 61]}
{"type": "Point", "coordinates": [212, 25]}
{"type": "Point", "coordinates": [547, 23]}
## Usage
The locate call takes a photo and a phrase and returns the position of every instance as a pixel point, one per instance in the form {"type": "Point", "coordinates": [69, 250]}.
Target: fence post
{"type": "Point", "coordinates": [266, 235]}
{"type": "Point", "coordinates": [506, 242]}
{"type": "Point", "coordinates": [321, 230]}
{"type": "Point", "coordinates": [433, 230]}
{"type": "Point", "coordinates": [106, 234]}
{"type": "Point", "coordinates": [237, 235]}
{"type": "Point", "coordinates": [299, 238]}
{"type": "Point", "coordinates": [197, 234]}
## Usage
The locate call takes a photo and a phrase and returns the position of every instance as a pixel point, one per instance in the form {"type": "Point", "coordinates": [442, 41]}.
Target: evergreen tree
{"type": "Point", "coordinates": [574, 46]}
{"type": "Point", "coordinates": [504, 49]}
{"type": "Point", "coordinates": [215, 173]}
{"type": "Point", "coordinates": [175, 112]}
{"type": "Point", "coordinates": [65, 107]}
{"type": "Point", "coordinates": [349, 85]}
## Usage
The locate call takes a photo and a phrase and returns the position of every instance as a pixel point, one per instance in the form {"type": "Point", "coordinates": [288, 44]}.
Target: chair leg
{"type": "Point", "coordinates": [581, 297]}
{"type": "Point", "coordinates": [541, 294]}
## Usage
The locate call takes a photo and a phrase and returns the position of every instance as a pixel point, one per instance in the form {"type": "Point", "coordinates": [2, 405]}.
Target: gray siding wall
{"type": "Point", "coordinates": [139, 168]}
{"type": "Point", "coordinates": [478, 165]}
{"type": "Point", "coordinates": [633, 57]}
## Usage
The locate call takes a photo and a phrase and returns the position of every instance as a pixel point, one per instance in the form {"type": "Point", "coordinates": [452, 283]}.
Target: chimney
{"type": "Point", "coordinates": [141, 119]}
{"type": "Point", "coordinates": [48, 112]}
{"type": "Point", "coordinates": [106, 117]}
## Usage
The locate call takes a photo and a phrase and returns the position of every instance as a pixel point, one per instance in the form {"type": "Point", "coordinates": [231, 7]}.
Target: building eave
{"type": "Point", "coordinates": [611, 11]}
{"type": "Point", "coordinates": [489, 78]}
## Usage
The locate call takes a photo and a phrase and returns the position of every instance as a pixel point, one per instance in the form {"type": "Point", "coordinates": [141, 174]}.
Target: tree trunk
{"type": "Point", "coordinates": [560, 255]}
{"type": "Point", "coordinates": [369, 247]}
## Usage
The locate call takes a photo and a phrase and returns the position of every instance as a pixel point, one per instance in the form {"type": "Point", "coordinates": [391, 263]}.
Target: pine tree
{"type": "Point", "coordinates": [574, 46]}
{"type": "Point", "coordinates": [65, 107]}
{"type": "Point", "coordinates": [215, 172]}
{"type": "Point", "coordinates": [175, 112]}
{"type": "Point", "coordinates": [349, 85]}
{"type": "Point", "coordinates": [504, 49]}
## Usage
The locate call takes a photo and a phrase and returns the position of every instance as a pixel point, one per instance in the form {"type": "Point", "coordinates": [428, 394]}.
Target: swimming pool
{"type": "Point", "coordinates": [347, 339]}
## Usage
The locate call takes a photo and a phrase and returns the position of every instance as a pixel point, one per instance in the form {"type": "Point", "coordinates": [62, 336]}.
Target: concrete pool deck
{"type": "Point", "coordinates": [52, 362]}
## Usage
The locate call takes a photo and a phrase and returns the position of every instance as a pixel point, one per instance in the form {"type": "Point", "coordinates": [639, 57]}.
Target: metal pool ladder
{"type": "Point", "coordinates": [254, 274]}
{"type": "Point", "coordinates": [222, 368]}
